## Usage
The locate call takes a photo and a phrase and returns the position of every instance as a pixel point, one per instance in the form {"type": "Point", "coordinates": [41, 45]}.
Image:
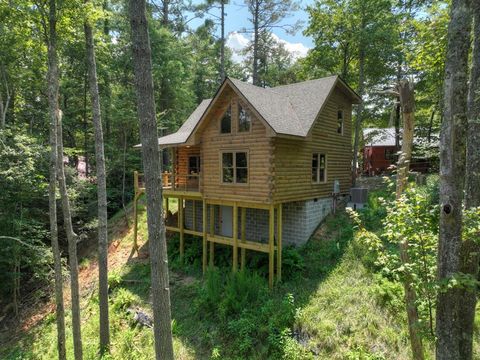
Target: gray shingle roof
{"type": "Point", "coordinates": [288, 109]}
{"type": "Point", "coordinates": [186, 129]}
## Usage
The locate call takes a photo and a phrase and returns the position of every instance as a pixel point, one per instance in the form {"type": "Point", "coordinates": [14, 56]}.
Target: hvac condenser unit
{"type": "Point", "coordinates": [358, 198]}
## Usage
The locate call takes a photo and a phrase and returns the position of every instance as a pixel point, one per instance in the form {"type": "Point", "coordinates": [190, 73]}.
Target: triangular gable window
{"type": "Point", "coordinates": [226, 122]}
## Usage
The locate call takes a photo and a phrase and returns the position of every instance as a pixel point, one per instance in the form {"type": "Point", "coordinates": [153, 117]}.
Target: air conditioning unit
{"type": "Point", "coordinates": [358, 198]}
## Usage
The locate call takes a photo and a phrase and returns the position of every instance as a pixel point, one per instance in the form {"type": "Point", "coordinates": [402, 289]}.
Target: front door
{"type": "Point", "coordinates": [226, 221]}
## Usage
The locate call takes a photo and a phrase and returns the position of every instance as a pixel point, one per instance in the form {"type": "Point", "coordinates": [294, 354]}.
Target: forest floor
{"type": "Point", "coordinates": [341, 310]}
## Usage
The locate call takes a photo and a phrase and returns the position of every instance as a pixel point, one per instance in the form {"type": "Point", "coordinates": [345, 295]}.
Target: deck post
{"type": "Point", "coordinates": [174, 166]}
{"type": "Point", "coordinates": [194, 221]}
{"type": "Point", "coordinates": [181, 225]}
{"type": "Point", "coordinates": [271, 253]}
{"type": "Point", "coordinates": [279, 242]}
{"type": "Point", "coordinates": [204, 228]}
{"type": "Point", "coordinates": [212, 233]}
{"type": "Point", "coordinates": [243, 237]}
{"type": "Point", "coordinates": [135, 212]}
{"type": "Point", "coordinates": [235, 237]}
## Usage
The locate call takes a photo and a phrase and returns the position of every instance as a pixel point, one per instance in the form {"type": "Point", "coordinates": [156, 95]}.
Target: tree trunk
{"type": "Point", "coordinates": [358, 120]}
{"type": "Point", "coordinates": [4, 107]}
{"type": "Point", "coordinates": [124, 173]}
{"type": "Point", "coordinates": [452, 173]}
{"type": "Point", "coordinates": [153, 183]}
{"type": "Point", "coordinates": [52, 79]}
{"type": "Point", "coordinates": [165, 4]}
{"type": "Point", "coordinates": [101, 191]}
{"type": "Point", "coordinates": [470, 249]}
{"type": "Point", "coordinates": [255, 78]}
{"type": "Point", "coordinates": [407, 102]}
{"type": "Point", "coordinates": [222, 39]}
{"type": "Point", "coordinates": [85, 125]}
{"type": "Point", "coordinates": [72, 245]}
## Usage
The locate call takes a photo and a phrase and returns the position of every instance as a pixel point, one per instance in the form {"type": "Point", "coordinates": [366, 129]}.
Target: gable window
{"type": "Point", "coordinates": [226, 122]}
{"type": "Point", "coordinates": [319, 168]}
{"type": "Point", "coordinates": [340, 122]}
{"type": "Point", "coordinates": [244, 120]}
{"type": "Point", "coordinates": [235, 167]}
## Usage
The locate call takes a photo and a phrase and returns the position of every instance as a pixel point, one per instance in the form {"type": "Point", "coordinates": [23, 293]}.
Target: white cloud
{"type": "Point", "coordinates": [237, 42]}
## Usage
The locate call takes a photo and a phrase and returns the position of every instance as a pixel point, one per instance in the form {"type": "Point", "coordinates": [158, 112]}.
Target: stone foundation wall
{"type": "Point", "coordinates": [300, 219]}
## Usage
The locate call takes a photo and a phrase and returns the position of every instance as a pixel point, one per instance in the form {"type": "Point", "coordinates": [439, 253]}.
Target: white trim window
{"type": "Point", "coordinates": [234, 167]}
{"type": "Point", "coordinates": [319, 168]}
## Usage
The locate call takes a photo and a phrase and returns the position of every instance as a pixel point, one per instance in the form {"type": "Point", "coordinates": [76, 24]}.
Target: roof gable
{"type": "Point", "coordinates": [289, 110]}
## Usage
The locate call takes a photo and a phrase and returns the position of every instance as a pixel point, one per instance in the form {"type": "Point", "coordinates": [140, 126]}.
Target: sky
{"type": "Point", "coordinates": [237, 18]}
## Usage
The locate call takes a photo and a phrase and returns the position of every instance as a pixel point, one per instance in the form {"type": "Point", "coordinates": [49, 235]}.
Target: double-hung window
{"type": "Point", "coordinates": [319, 168]}
{"type": "Point", "coordinates": [235, 167]}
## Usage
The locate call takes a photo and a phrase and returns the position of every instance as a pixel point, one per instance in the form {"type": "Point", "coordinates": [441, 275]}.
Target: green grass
{"type": "Point", "coordinates": [329, 306]}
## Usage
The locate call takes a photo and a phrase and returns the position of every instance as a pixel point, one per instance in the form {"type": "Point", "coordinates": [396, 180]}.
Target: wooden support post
{"type": "Point", "coordinates": [135, 212]}
{"type": "Point", "coordinates": [204, 228]}
{"type": "Point", "coordinates": [194, 220]}
{"type": "Point", "coordinates": [235, 237]}
{"type": "Point", "coordinates": [243, 236]}
{"type": "Point", "coordinates": [271, 253]}
{"type": "Point", "coordinates": [174, 165]}
{"type": "Point", "coordinates": [212, 233]}
{"type": "Point", "coordinates": [166, 206]}
{"type": "Point", "coordinates": [181, 225]}
{"type": "Point", "coordinates": [279, 242]}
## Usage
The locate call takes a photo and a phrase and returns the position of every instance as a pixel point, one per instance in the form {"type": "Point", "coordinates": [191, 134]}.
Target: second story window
{"type": "Point", "coordinates": [340, 122]}
{"type": "Point", "coordinates": [319, 168]}
{"type": "Point", "coordinates": [226, 122]}
{"type": "Point", "coordinates": [235, 167]}
{"type": "Point", "coordinates": [244, 120]}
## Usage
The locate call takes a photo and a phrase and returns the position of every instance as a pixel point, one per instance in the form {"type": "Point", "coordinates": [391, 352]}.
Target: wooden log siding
{"type": "Point", "coordinates": [293, 158]}
{"type": "Point", "coordinates": [256, 143]}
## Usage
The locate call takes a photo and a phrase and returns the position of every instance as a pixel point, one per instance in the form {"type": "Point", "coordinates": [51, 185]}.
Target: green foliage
{"type": "Point", "coordinates": [255, 323]}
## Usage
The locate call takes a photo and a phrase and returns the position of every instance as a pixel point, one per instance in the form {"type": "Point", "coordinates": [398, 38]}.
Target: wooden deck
{"type": "Point", "coordinates": [208, 235]}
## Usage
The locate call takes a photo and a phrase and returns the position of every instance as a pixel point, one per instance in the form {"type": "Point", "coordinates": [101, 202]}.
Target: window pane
{"type": "Point", "coordinates": [226, 124]}
{"type": "Point", "coordinates": [227, 176]}
{"type": "Point", "coordinates": [243, 119]}
{"type": "Point", "coordinates": [242, 175]}
{"type": "Point", "coordinates": [340, 121]}
{"type": "Point", "coordinates": [322, 161]}
{"type": "Point", "coordinates": [241, 159]}
{"type": "Point", "coordinates": [314, 167]}
{"type": "Point", "coordinates": [227, 159]}
{"type": "Point", "coordinates": [193, 164]}
{"type": "Point", "coordinates": [322, 175]}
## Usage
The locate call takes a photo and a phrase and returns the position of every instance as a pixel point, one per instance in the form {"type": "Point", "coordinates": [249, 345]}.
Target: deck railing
{"type": "Point", "coordinates": [176, 182]}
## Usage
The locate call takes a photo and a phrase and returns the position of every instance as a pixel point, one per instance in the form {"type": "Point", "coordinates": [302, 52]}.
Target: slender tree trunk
{"type": "Point", "coordinates": [452, 174]}
{"type": "Point", "coordinates": [470, 249]}
{"type": "Point", "coordinates": [72, 245]}
{"type": "Point", "coordinates": [359, 117]}
{"type": "Point", "coordinates": [165, 12]}
{"type": "Point", "coordinates": [85, 125]}
{"type": "Point", "coordinates": [256, 34]}
{"type": "Point", "coordinates": [153, 183]}
{"type": "Point", "coordinates": [101, 191]}
{"type": "Point", "coordinates": [407, 101]}
{"type": "Point", "coordinates": [430, 126]}
{"type": "Point", "coordinates": [4, 107]}
{"type": "Point", "coordinates": [124, 172]}
{"type": "Point", "coordinates": [222, 39]}
{"type": "Point", "coordinates": [52, 78]}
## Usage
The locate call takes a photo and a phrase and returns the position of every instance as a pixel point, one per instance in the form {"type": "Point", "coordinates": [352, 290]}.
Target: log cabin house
{"type": "Point", "coordinates": [381, 149]}
{"type": "Point", "coordinates": [255, 168]}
